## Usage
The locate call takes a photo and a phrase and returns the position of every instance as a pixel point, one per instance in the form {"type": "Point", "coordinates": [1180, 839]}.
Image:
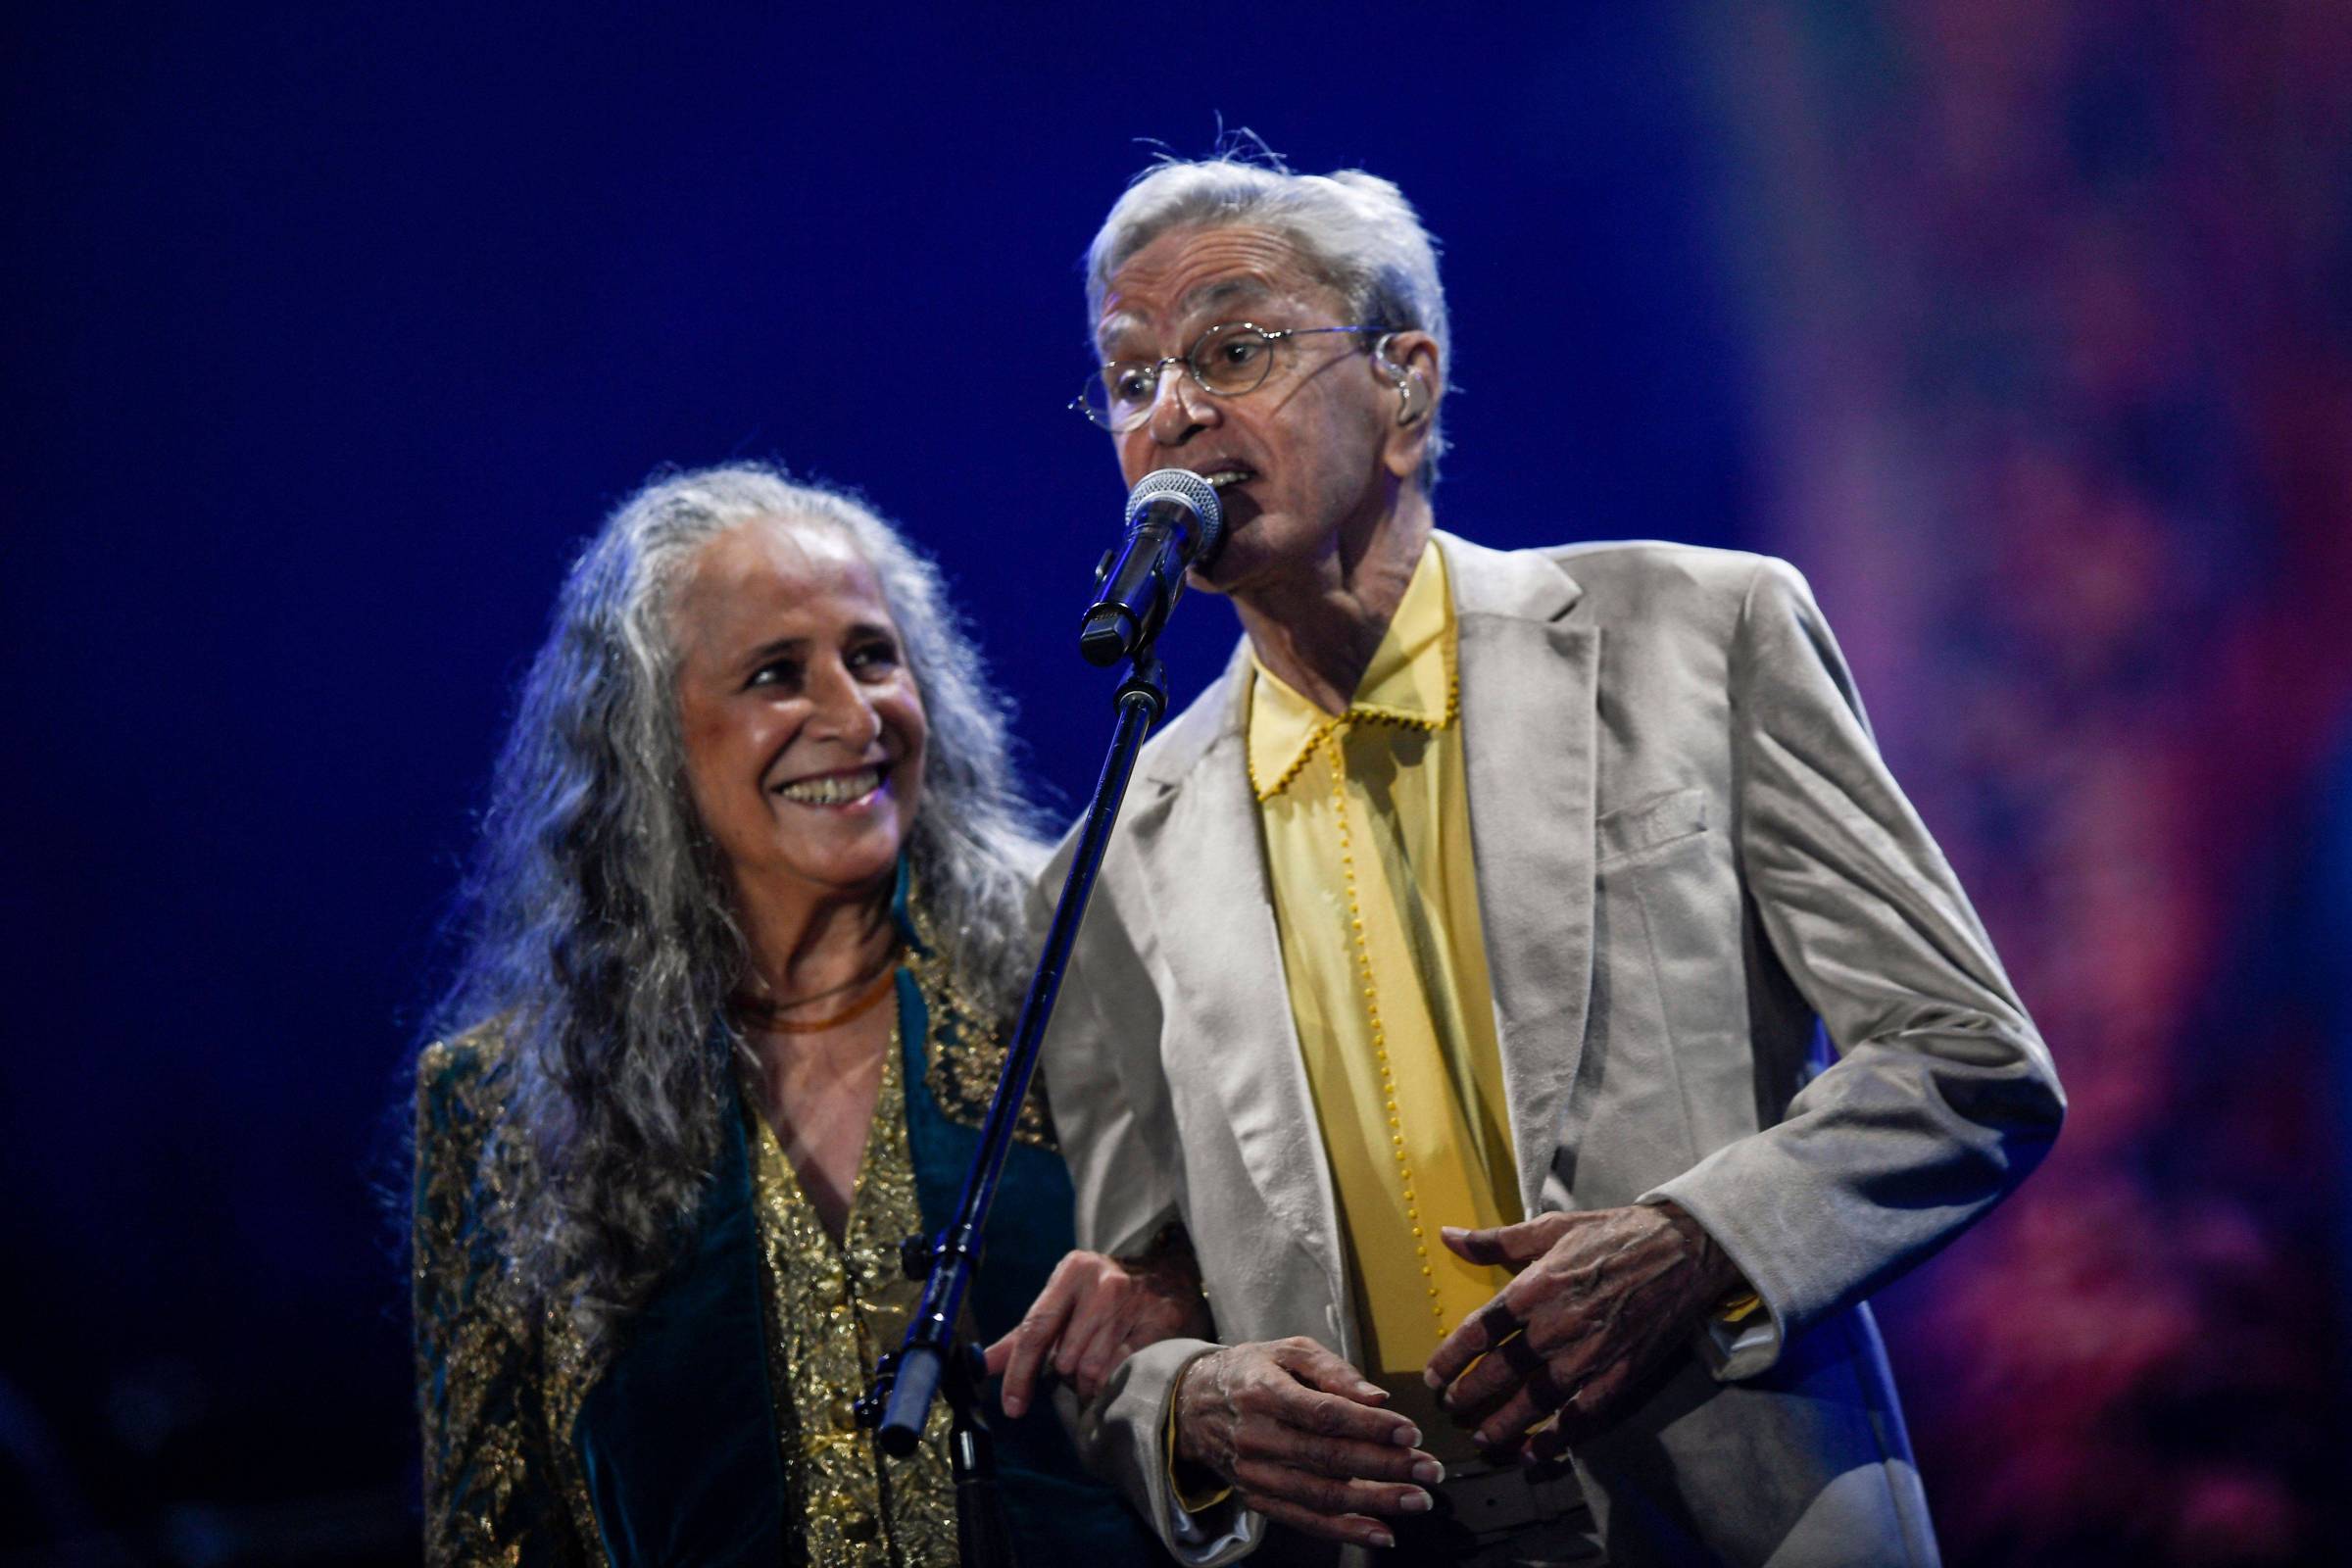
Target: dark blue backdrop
{"type": "Point", "coordinates": [331, 331]}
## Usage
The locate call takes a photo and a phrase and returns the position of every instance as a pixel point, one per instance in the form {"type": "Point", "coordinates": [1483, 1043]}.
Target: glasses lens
{"type": "Point", "coordinates": [1119, 396]}
{"type": "Point", "coordinates": [1232, 358]}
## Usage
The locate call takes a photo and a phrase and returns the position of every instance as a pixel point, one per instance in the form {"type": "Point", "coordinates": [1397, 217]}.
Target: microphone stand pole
{"type": "Point", "coordinates": [933, 1359]}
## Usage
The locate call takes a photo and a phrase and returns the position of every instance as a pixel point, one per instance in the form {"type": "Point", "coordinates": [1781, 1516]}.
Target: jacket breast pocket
{"type": "Point", "coordinates": [1652, 824]}
{"type": "Point", "coordinates": [1664, 1080]}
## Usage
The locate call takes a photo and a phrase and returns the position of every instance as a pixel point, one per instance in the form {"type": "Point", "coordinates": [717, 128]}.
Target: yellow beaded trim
{"type": "Point", "coordinates": [1355, 716]}
{"type": "Point", "coordinates": [1266, 793]}
{"type": "Point", "coordinates": [1380, 1039]}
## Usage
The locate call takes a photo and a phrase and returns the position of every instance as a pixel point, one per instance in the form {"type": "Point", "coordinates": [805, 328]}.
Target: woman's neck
{"type": "Point", "coordinates": [819, 948]}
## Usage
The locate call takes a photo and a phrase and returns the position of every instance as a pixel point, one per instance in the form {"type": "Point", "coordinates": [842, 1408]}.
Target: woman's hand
{"type": "Point", "coordinates": [1095, 1312]}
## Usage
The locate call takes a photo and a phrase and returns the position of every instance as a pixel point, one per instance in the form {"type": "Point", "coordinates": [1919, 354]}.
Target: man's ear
{"type": "Point", "coordinates": [1408, 363]}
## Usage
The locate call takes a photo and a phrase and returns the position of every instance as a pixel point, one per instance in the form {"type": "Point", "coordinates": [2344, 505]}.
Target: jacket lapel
{"type": "Point", "coordinates": [678, 1437]}
{"type": "Point", "coordinates": [1528, 671]}
{"type": "Point", "coordinates": [1229, 1022]}
{"type": "Point", "coordinates": [1528, 680]}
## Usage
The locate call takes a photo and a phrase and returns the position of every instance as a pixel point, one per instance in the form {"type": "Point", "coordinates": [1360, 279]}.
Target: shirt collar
{"type": "Point", "coordinates": [1409, 681]}
{"type": "Point", "coordinates": [901, 907]}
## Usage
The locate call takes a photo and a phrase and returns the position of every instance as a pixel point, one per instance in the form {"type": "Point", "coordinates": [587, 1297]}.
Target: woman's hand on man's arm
{"type": "Point", "coordinates": [1095, 1312]}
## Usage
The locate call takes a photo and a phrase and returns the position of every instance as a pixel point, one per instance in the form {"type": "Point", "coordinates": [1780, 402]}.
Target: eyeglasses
{"type": "Point", "coordinates": [1227, 360]}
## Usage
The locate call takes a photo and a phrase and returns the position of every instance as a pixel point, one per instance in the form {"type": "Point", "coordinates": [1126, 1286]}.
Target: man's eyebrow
{"type": "Point", "coordinates": [1216, 291]}
{"type": "Point", "coordinates": [1112, 327]}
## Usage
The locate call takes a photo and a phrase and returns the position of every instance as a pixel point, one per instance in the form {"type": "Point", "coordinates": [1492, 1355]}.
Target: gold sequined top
{"type": "Point", "coordinates": [501, 1385]}
{"type": "Point", "coordinates": [498, 1382]}
{"type": "Point", "coordinates": [832, 1309]}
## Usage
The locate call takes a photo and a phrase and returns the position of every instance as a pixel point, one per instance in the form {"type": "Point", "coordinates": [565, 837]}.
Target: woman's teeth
{"type": "Point", "coordinates": [1225, 476]}
{"type": "Point", "coordinates": [837, 789]}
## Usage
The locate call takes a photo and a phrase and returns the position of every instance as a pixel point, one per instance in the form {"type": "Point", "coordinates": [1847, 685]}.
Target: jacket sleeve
{"type": "Point", "coordinates": [489, 1489]}
{"type": "Point", "coordinates": [1944, 1096]}
{"type": "Point", "coordinates": [1103, 1076]}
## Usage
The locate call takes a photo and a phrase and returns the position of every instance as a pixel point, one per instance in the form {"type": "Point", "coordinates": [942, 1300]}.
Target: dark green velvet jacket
{"type": "Point", "coordinates": [671, 1455]}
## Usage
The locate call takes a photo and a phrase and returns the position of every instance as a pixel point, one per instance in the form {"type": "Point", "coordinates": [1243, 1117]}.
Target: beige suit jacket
{"type": "Point", "coordinates": [1688, 849]}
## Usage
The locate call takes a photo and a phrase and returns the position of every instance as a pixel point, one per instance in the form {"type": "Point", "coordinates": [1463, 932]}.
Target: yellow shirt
{"type": "Point", "coordinates": [1365, 823]}
{"type": "Point", "coordinates": [1366, 820]}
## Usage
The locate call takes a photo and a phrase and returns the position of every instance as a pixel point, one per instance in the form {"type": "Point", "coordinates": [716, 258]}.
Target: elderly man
{"type": "Point", "coordinates": [1453, 979]}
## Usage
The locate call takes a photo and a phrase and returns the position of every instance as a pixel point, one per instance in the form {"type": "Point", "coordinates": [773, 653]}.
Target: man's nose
{"type": "Point", "coordinates": [1180, 407]}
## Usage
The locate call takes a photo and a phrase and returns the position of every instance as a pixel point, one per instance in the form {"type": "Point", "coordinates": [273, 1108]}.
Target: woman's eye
{"type": "Point", "coordinates": [880, 657]}
{"type": "Point", "coordinates": [1131, 385]}
{"type": "Point", "coordinates": [777, 673]}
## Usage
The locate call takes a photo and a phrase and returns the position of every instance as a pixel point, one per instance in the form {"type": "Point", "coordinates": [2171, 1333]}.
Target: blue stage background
{"type": "Point", "coordinates": [332, 330]}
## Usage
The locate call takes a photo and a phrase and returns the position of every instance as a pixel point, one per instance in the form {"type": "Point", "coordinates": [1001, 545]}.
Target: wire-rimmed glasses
{"type": "Point", "coordinates": [1228, 360]}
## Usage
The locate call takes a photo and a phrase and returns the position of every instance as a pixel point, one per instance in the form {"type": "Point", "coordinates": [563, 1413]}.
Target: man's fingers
{"type": "Point", "coordinates": [1546, 1444]}
{"type": "Point", "coordinates": [1594, 1406]}
{"type": "Point", "coordinates": [1535, 1400]}
{"type": "Point", "coordinates": [1498, 1374]}
{"type": "Point", "coordinates": [1318, 1445]}
{"type": "Point", "coordinates": [1475, 1247]}
{"type": "Point", "coordinates": [1501, 1432]}
{"type": "Point", "coordinates": [1323, 1504]}
{"type": "Point", "coordinates": [1318, 1368]}
{"type": "Point", "coordinates": [1328, 1494]}
{"type": "Point", "coordinates": [1340, 1459]}
{"type": "Point", "coordinates": [1336, 1407]}
{"type": "Point", "coordinates": [1314, 1418]}
{"type": "Point", "coordinates": [1511, 1247]}
{"type": "Point", "coordinates": [1352, 1528]}
{"type": "Point", "coordinates": [1312, 1410]}
{"type": "Point", "coordinates": [1472, 1337]}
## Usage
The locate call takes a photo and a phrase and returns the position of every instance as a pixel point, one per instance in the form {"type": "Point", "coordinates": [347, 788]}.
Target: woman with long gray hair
{"type": "Point", "coordinates": [744, 929]}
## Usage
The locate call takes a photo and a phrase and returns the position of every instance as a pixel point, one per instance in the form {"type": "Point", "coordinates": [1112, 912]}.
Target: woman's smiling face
{"type": "Point", "coordinates": [802, 726]}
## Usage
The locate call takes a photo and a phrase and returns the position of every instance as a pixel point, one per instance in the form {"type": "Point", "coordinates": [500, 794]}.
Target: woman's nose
{"type": "Point", "coordinates": [845, 707]}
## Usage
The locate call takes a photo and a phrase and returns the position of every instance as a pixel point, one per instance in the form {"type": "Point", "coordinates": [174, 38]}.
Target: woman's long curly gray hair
{"type": "Point", "coordinates": [597, 927]}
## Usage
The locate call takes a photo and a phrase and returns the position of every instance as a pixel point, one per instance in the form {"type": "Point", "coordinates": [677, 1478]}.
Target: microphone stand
{"type": "Point", "coordinates": [933, 1360]}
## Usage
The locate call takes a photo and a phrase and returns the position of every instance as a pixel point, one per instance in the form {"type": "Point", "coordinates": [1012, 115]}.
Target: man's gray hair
{"type": "Point", "coordinates": [1356, 230]}
{"type": "Point", "coordinates": [600, 937]}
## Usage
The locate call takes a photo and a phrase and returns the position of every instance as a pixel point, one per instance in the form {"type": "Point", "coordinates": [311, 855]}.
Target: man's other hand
{"type": "Point", "coordinates": [1600, 1301]}
{"type": "Point", "coordinates": [1095, 1312]}
{"type": "Point", "coordinates": [1299, 1435]}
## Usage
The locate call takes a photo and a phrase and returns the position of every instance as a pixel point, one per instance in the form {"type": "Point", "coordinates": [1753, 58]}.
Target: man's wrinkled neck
{"type": "Point", "coordinates": [1317, 632]}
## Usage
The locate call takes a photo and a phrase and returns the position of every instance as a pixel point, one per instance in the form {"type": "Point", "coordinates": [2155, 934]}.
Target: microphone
{"type": "Point", "coordinates": [1174, 522]}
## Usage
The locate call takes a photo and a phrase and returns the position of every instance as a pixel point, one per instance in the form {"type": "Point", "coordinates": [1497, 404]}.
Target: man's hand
{"type": "Point", "coordinates": [1299, 1435]}
{"type": "Point", "coordinates": [1600, 1301]}
{"type": "Point", "coordinates": [1095, 1312]}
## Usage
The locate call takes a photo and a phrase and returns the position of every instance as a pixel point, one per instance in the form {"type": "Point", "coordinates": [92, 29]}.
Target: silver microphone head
{"type": "Point", "coordinates": [1189, 490]}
